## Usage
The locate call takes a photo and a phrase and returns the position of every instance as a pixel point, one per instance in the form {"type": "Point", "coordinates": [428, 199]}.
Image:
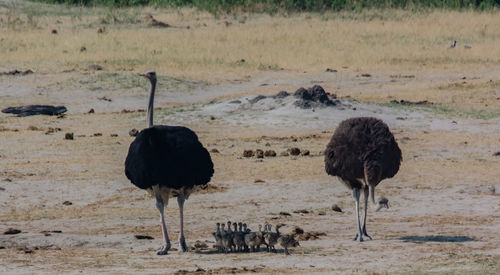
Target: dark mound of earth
{"type": "Point", "coordinates": [313, 97]}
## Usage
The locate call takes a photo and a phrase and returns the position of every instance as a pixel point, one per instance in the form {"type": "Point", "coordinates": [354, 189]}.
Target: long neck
{"type": "Point", "coordinates": [151, 103]}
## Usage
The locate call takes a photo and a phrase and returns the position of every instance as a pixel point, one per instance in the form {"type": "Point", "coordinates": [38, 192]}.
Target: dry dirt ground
{"type": "Point", "coordinates": [444, 214]}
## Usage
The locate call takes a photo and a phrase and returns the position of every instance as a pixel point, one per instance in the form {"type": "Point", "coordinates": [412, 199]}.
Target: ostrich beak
{"type": "Point", "coordinates": [143, 74]}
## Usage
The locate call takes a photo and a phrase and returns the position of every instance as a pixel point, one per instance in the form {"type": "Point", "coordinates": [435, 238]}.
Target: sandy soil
{"type": "Point", "coordinates": [444, 200]}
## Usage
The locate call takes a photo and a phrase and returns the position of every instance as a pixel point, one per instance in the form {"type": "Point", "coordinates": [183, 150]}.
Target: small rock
{"type": "Point", "coordinates": [321, 213]}
{"type": "Point", "coordinates": [336, 208]}
{"type": "Point", "coordinates": [496, 154]}
{"type": "Point", "coordinates": [212, 118]}
{"type": "Point", "coordinates": [69, 136]}
{"type": "Point", "coordinates": [32, 128]}
{"type": "Point", "coordinates": [54, 31]}
{"type": "Point", "coordinates": [200, 245]}
{"type": "Point", "coordinates": [91, 111]}
{"type": "Point", "coordinates": [214, 150]}
{"type": "Point", "coordinates": [83, 48]}
{"type": "Point", "coordinates": [301, 211]}
{"type": "Point", "coordinates": [113, 135]}
{"type": "Point", "coordinates": [133, 132]}
{"type": "Point", "coordinates": [12, 231]}
{"type": "Point", "coordinates": [235, 101]}
{"type": "Point", "coordinates": [28, 251]}
{"type": "Point", "coordinates": [67, 203]}
{"type": "Point", "coordinates": [284, 154]}
{"type": "Point", "coordinates": [305, 152]}
{"type": "Point", "coordinates": [328, 70]}
{"type": "Point", "coordinates": [97, 134]}
{"type": "Point", "coordinates": [366, 75]}
{"type": "Point", "coordinates": [100, 30]}
{"type": "Point", "coordinates": [143, 237]}
{"type": "Point", "coordinates": [248, 153]}
{"type": "Point", "coordinates": [294, 151]}
{"type": "Point", "coordinates": [267, 144]}
{"type": "Point", "coordinates": [259, 153]}
{"type": "Point", "coordinates": [297, 231]}
{"type": "Point", "coordinates": [258, 181]}
{"type": "Point", "coordinates": [282, 213]}
{"type": "Point", "coordinates": [270, 153]}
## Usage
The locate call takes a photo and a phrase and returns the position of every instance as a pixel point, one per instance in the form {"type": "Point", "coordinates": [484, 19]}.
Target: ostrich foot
{"type": "Point", "coordinates": [360, 237]}
{"type": "Point", "coordinates": [182, 244]}
{"type": "Point", "coordinates": [366, 234]}
{"type": "Point", "coordinates": [164, 249]}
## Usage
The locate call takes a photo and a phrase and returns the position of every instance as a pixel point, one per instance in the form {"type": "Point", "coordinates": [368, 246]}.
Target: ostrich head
{"type": "Point", "coordinates": [151, 75]}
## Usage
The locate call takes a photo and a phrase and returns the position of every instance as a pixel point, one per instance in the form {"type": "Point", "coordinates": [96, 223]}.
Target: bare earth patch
{"type": "Point", "coordinates": [76, 211]}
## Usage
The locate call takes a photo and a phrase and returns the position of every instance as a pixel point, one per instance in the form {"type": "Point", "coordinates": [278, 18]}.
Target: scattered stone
{"type": "Point", "coordinates": [69, 136]}
{"type": "Point", "coordinates": [125, 111]}
{"type": "Point", "coordinates": [328, 70]}
{"type": "Point", "coordinates": [113, 135]}
{"type": "Point", "coordinates": [248, 153]}
{"type": "Point", "coordinates": [235, 102]}
{"type": "Point", "coordinates": [95, 67]}
{"type": "Point", "coordinates": [258, 181]}
{"type": "Point", "coordinates": [100, 30]}
{"type": "Point", "coordinates": [28, 251]}
{"type": "Point", "coordinates": [200, 245]}
{"type": "Point", "coordinates": [496, 154]}
{"type": "Point", "coordinates": [270, 153]}
{"type": "Point", "coordinates": [256, 99]}
{"type": "Point", "coordinates": [402, 76]}
{"type": "Point", "coordinates": [97, 134]}
{"type": "Point", "coordinates": [301, 211]}
{"type": "Point", "coordinates": [294, 151]}
{"type": "Point", "coordinates": [281, 94]}
{"type": "Point", "coordinates": [105, 99]}
{"type": "Point", "coordinates": [321, 213]}
{"type": "Point", "coordinates": [157, 23]}
{"type": "Point", "coordinates": [83, 48]}
{"type": "Point", "coordinates": [133, 132]}
{"type": "Point", "coordinates": [2, 189]}
{"type": "Point", "coordinates": [32, 128]}
{"type": "Point", "coordinates": [406, 102]}
{"type": "Point", "coordinates": [284, 154]}
{"type": "Point", "coordinates": [214, 150]}
{"type": "Point", "coordinates": [91, 111]}
{"type": "Point", "coordinates": [305, 152]}
{"type": "Point", "coordinates": [143, 237]}
{"type": "Point", "coordinates": [12, 231]}
{"type": "Point", "coordinates": [16, 71]}
{"type": "Point", "coordinates": [212, 118]}
{"type": "Point", "coordinates": [67, 203]}
{"type": "Point", "coordinates": [259, 153]}
{"type": "Point", "coordinates": [366, 75]}
{"type": "Point", "coordinates": [336, 208]}
{"type": "Point", "coordinates": [282, 213]}
{"type": "Point", "coordinates": [31, 110]}
{"type": "Point", "coordinates": [54, 31]}
{"type": "Point", "coordinates": [52, 130]}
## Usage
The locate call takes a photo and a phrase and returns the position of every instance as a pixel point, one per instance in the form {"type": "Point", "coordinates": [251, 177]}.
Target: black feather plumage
{"type": "Point", "coordinates": [359, 140]}
{"type": "Point", "coordinates": [171, 156]}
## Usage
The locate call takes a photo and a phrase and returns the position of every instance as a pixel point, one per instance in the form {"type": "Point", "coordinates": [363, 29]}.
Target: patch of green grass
{"type": "Point", "coordinates": [446, 111]}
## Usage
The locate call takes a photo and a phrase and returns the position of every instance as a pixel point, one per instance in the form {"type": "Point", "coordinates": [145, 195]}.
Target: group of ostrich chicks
{"type": "Point", "coordinates": [169, 161]}
{"type": "Point", "coordinates": [242, 239]}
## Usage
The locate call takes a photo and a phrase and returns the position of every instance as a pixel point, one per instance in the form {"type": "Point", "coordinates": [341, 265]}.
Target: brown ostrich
{"type": "Point", "coordinates": [361, 153]}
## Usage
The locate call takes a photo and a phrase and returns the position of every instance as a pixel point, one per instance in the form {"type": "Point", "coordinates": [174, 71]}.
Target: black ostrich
{"type": "Point", "coordinates": [361, 153]}
{"type": "Point", "coordinates": [167, 161]}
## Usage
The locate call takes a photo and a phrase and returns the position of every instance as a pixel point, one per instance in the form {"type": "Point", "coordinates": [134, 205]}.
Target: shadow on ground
{"type": "Point", "coordinates": [440, 239]}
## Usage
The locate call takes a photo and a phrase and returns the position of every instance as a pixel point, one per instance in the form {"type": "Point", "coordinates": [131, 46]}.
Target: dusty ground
{"type": "Point", "coordinates": [444, 200]}
{"type": "Point", "coordinates": [443, 215]}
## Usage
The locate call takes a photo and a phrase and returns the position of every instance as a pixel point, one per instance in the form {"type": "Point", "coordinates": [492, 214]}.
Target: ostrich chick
{"type": "Point", "coordinates": [287, 241]}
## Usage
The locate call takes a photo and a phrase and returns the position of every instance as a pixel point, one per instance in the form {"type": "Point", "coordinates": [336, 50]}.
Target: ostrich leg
{"type": "Point", "coordinates": [182, 240]}
{"type": "Point", "coordinates": [366, 194]}
{"type": "Point", "coordinates": [356, 194]}
{"type": "Point", "coordinates": [159, 204]}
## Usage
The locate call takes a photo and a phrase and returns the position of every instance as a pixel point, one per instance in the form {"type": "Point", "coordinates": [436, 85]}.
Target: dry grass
{"type": "Point", "coordinates": [211, 48]}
